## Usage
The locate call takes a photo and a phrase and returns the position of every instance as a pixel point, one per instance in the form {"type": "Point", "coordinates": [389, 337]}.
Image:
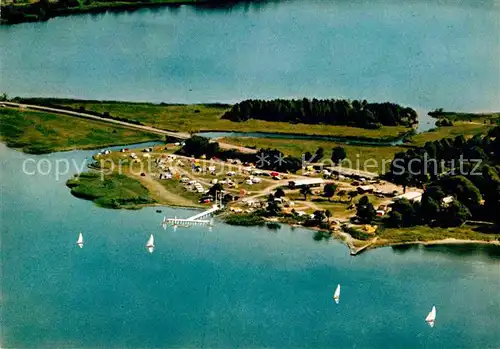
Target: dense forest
{"type": "Point", "coordinates": [325, 111]}
{"type": "Point", "coordinates": [461, 178]}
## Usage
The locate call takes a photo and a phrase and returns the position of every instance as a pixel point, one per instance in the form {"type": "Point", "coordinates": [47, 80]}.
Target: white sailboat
{"type": "Point", "coordinates": [431, 317]}
{"type": "Point", "coordinates": [151, 244]}
{"type": "Point", "coordinates": [336, 294]}
{"type": "Point", "coordinates": [79, 242]}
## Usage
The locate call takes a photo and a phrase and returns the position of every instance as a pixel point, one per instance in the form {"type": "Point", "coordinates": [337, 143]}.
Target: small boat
{"type": "Point", "coordinates": [158, 211]}
{"type": "Point", "coordinates": [336, 294]}
{"type": "Point", "coordinates": [79, 242]}
{"type": "Point", "coordinates": [151, 244]}
{"type": "Point", "coordinates": [431, 317]}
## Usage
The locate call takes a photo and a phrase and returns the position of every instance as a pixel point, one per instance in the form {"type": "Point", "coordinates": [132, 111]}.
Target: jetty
{"type": "Point", "coordinates": [197, 219]}
{"type": "Point", "coordinates": [357, 250]}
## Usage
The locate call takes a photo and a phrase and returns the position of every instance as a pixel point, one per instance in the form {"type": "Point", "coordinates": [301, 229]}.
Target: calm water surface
{"type": "Point", "coordinates": [231, 287]}
{"type": "Point", "coordinates": [422, 53]}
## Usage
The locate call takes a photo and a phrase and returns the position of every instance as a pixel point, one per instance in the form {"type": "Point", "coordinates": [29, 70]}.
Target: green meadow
{"type": "Point", "coordinates": [41, 132]}
{"type": "Point", "coordinates": [112, 191]}
{"type": "Point", "coordinates": [194, 118]}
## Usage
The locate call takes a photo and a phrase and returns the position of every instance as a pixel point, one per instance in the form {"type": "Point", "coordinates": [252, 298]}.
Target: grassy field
{"type": "Point", "coordinates": [477, 117]}
{"type": "Point", "coordinates": [355, 153]}
{"type": "Point", "coordinates": [40, 132]}
{"type": "Point", "coordinates": [115, 191]}
{"type": "Point", "coordinates": [425, 233]}
{"type": "Point", "coordinates": [207, 117]}
{"type": "Point", "coordinates": [338, 210]}
{"type": "Point", "coordinates": [173, 186]}
{"type": "Point", "coordinates": [468, 129]}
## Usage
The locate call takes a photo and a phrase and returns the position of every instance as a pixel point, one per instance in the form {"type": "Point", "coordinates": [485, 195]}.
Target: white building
{"type": "Point", "coordinates": [412, 196]}
{"type": "Point", "coordinates": [447, 200]}
{"type": "Point", "coordinates": [312, 182]}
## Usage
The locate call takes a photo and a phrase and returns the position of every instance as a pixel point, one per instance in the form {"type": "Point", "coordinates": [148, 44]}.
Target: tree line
{"type": "Point", "coordinates": [464, 171]}
{"type": "Point", "coordinates": [324, 111]}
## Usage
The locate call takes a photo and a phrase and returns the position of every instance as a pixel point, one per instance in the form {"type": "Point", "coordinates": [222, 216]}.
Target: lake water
{"type": "Point", "coordinates": [422, 53]}
{"type": "Point", "coordinates": [232, 287]}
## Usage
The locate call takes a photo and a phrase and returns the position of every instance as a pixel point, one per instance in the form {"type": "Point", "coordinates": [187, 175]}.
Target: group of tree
{"type": "Point", "coordinates": [444, 122]}
{"type": "Point", "coordinates": [421, 165]}
{"type": "Point", "coordinates": [273, 207]}
{"type": "Point", "coordinates": [274, 159]}
{"type": "Point", "coordinates": [365, 211]}
{"type": "Point", "coordinates": [324, 111]}
{"type": "Point", "coordinates": [267, 159]}
{"type": "Point", "coordinates": [470, 179]}
{"type": "Point", "coordinates": [329, 190]}
{"type": "Point", "coordinates": [316, 157]}
{"type": "Point", "coordinates": [338, 154]}
{"type": "Point", "coordinates": [477, 198]}
{"type": "Point", "coordinates": [430, 211]}
{"type": "Point", "coordinates": [319, 218]}
{"type": "Point", "coordinates": [197, 146]}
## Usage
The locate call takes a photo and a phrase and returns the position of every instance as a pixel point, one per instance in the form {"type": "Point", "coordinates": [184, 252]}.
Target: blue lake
{"type": "Point", "coordinates": [425, 54]}
{"type": "Point", "coordinates": [232, 287]}
{"type": "Point", "coordinates": [239, 287]}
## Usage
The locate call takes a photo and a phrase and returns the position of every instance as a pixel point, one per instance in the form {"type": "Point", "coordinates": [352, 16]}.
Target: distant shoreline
{"type": "Point", "coordinates": [33, 12]}
{"type": "Point", "coordinates": [440, 242]}
{"type": "Point", "coordinates": [372, 245]}
{"type": "Point", "coordinates": [377, 242]}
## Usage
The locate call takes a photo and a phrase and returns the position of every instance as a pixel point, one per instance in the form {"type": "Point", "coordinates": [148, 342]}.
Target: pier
{"type": "Point", "coordinates": [197, 219]}
{"type": "Point", "coordinates": [204, 214]}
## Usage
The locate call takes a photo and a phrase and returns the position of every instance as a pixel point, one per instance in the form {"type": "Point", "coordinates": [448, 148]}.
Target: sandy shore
{"type": "Point", "coordinates": [447, 241]}
{"type": "Point", "coordinates": [378, 243]}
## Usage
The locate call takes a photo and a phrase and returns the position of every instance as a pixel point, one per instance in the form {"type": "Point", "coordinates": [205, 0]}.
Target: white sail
{"type": "Point", "coordinates": [151, 244]}
{"type": "Point", "coordinates": [336, 294]}
{"type": "Point", "coordinates": [79, 242]}
{"type": "Point", "coordinates": [431, 317]}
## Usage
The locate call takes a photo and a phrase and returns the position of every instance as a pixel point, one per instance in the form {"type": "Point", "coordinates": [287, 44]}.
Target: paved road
{"type": "Point", "coordinates": [179, 135]}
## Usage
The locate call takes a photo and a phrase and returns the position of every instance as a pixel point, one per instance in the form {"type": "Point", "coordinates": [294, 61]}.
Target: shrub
{"type": "Point", "coordinates": [245, 220]}
{"type": "Point", "coordinates": [357, 234]}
